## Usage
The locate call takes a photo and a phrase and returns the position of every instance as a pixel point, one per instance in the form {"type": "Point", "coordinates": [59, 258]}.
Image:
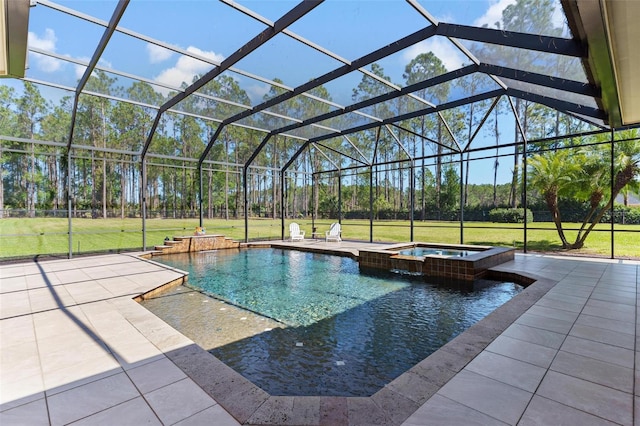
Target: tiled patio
{"type": "Point", "coordinates": [76, 348]}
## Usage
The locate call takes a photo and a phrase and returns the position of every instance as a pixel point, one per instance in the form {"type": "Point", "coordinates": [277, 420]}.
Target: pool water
{"type": "Point", "coordinates": [425, 251]}
{"type": "Point", "coordinates": [347, 333]}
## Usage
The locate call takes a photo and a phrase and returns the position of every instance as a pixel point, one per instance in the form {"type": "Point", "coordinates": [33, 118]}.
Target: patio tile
{"type": "Point", "coordinates": [101, 272]}
{"type": "Point", "coordinates": [13, 270]}
{"type": "Point", "coordinates": [499, 400]}
{"type": "Point", "coordinates": [13, 392]}
{"type": "Point", "coordinates": [607, 324]}
{"type": "Point", "coordinates": [16, 330]}
{"type": "Point", "coordinates": [554, 295]}
{"type": "Point", "coordinates": [615, 289]}
{"type": "Point", "coordinates": [19, 361]}
{"type": "Point", "coordinates": [541, 356]}
{"type": "Point", "coordinates": [543, 411]}
{"type": "Point", "coordinates": [544, 323]}
{"type": "Point", "coordinates": [441, 411]}
{"type": "Point", "coordinates": [14, 304]}
{"type": "Point", "coordinates": [134, 412]}
{"type": "Point", "coordinates": [572, 290]}
{"type": "Point", "coordinates": [600, 351]}
{"type": "Point", "coordinates": [135, 355]}
{"type": "Point", "coordinates": [84, 350]}
{"type": "Point", "coordinates": [215, 415]}
{"type": "Point", "coordinates": [155, 375]}
{"type": "Point", "coordinates": [72, 275]}
{"type": "Point", "coordinates": [625, 298]}
{"type": "Point", "coordinates": [507, 370]}
{"type": "Point", "coordinates": [617, 280]}
{"type": "Point", "coordinates": [40, 280]}
{"type": "Point", "coordinates": [593, 370]}
{"type": "Point", "coordinates": [117, 286]}
{"type": "Point", "coordinates": [83, 401]}
{"type": "Point", "coordinates": [88, 291]}
{"type": "Point", "coordinates": [47, 298]}
{"type": "Point", "coordinates": [178, 401]}
{"type": "Point", "coordinates": [154, 278]}
{"type": "Point", "coordinates": [11, 284]}
{"type": "Point", "coordinates": [535, 335]}
{"type": "Point", "coordinates": [601, 335]}
{"type": "Point", "coordinates": [79, 373]}
{"type": "Point", "coordinates": [31, 414]}
{"type": "Point", "coordinates": [552, 313]}
{"type": "Point", "coordinates": [595, 399]}
{"type": "Point", "coordinates": [555, 303]}
{"type": "Point", "coordinates": [614, 311]}
{"type": "Point", "coordinates": [58, 322]}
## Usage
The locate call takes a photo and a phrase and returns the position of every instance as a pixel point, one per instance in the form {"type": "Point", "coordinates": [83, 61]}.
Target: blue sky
{"type": "Point", "coordinates": [213, 30]}
{"type": "Point", "coordinates": [349, 28]}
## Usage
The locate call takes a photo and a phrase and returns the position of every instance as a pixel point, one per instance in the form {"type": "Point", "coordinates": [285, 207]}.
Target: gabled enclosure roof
{"type": "Point", "coordinates": [353, 65]}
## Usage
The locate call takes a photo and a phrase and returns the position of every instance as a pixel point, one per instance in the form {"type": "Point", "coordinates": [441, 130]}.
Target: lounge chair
{"type": "Point", "coordinates": [295, 233]}
{"type": "Point", "coordinates": [333, 233]}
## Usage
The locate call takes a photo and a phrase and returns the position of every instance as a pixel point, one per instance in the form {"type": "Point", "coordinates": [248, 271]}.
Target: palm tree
{"type": "Point", "coordinates": [585, 175]}
{"type": "Point", "coordinates": [626, 166]}
{"type": "Point", "coordinates": [551, 174]}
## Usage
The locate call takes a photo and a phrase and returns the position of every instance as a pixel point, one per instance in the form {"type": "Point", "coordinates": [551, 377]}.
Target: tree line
{"type": "Point", "coordinates": [106, 175]}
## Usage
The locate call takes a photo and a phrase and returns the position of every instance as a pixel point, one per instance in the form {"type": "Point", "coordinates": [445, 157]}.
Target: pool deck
{"type": "Point", "coordinates": [76, 348]}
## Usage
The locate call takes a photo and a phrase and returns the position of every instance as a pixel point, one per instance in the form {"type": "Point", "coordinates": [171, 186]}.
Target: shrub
{"type": "Point", "coordinates": [623, 215]}
{"type": "Point", "coordinates": [510, 215]}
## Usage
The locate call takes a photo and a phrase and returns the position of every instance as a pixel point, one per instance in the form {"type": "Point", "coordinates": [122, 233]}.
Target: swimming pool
{"type": "Point", "coordinates": [346, 333]}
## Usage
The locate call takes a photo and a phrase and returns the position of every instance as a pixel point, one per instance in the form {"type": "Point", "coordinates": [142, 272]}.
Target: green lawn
{"type": "Point", "coordinates": [26, 237]}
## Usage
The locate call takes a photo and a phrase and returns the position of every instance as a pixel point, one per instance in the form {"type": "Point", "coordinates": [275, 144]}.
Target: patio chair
{"type": "Point", "coordinates": [333, 233]}
{"type": "Point", "coordinates": [295, 233]}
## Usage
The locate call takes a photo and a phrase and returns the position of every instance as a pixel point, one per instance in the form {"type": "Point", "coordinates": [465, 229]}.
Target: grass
{"type": "Point", "coordinates": [22, 237]}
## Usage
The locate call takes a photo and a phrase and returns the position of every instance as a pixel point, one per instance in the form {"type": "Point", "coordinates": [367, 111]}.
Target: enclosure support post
{"type": "Point", "coordinates": [524, 189]}
{"type": "Point", "coordinates": [524, 167]}
{"type": "Point", "coordinates": [200, 194]}
{"type": "Point", "coordinates": [246, 204]}
{"type": "Point", "coordinates": [371, 204]}
{"type": "Point", "coordinates": [340, 196]}
{"type": "Point", "coordinates": [462, 200]}
{"type": "Point", "coordinates": [613, 153]}
{"type": "Point", "coordinates": [412, 195]}
{"type": "Point", "coordinates": [313, 200]}
{"type": "Point", "coordinates": [282, 198]}
{"type": "Point", "coordinates": [143, 195]}
{"type": "Point", "coordinates": [69, 203]}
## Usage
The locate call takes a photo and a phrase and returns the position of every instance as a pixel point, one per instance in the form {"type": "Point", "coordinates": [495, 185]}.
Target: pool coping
{"type": "Point", "coordinates": [394, 403]}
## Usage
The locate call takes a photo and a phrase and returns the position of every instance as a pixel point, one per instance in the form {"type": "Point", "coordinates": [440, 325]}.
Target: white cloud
{"type": "Point", "coordinates": [48, 43]}
{"type": "Point", "coordinates": [496, 7]}
{"type": "Point", "coordinates": [558, 17]}
{"type": "Point", "coordinates": [158, 53]}
{"type": "Point", "coordinates": [451, 56]}
{"type": "Point", "coordinates": [186, 68]}
{"type": "Point", "coordinates": [493, 13]}
{"type": "Point", "coordinates": [79, 69]}
{"type": "Point", "coordinates": [256, 92]}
